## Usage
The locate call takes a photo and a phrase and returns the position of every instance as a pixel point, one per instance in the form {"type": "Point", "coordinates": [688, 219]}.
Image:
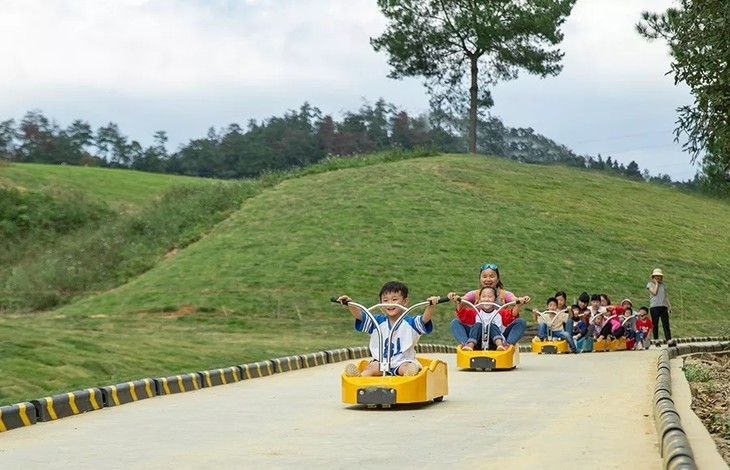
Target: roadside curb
{"type": "Point", "coordinates": [673, 443]}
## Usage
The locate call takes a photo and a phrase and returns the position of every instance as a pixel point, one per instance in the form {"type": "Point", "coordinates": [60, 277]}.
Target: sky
{"type": "Point", "coordinates": [183, 66]}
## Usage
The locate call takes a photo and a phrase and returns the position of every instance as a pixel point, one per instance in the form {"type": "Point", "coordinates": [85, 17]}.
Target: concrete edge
{"type": "Point", "coordinates": [703, 445]}
{"type": "Point", "coordinates": [674, 443]}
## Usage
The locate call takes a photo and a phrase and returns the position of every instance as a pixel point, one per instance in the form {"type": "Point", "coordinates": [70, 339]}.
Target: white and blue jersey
{"type": "Point", "coordinates": [405, 338]}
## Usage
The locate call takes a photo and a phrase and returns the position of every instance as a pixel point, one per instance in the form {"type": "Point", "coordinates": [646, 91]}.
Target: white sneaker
{"type": "Point", "coordinates": [639, 346]}
{"type": "Point", "coordinates": [410, 369]}
{"type": "Point", "coordinates": [351, 370]}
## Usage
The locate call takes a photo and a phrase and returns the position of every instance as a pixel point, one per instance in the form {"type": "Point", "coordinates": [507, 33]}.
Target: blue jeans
{"type": "Point", "coordinates": [475, 334]}
{"type": "Point", "coordinates": [460, 331]}
{"type": "Point", "coordinates": [515, 331]}
{"type": "Point", "coordinates": [542, 333]}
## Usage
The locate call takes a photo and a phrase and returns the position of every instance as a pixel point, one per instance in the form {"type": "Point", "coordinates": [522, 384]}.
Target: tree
{"type": "Point", "coordinates": [698, 35]}
{"type": "Point", "coordinates": [490, 40]}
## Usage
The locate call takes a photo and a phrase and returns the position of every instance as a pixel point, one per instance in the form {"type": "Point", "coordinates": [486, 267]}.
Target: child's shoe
{"type": "Point", "coordinates": [410, 369]}
{"type": "Point", "coordinates": [351, 370]}
{"type": "Point", "coordinates": [639, 346]}
{"type": "Point", "coordinates": [501, 347]}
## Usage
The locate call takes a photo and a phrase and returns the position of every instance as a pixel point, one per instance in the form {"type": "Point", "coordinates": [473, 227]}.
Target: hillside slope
{"type": "Point", "coordinates": [119, 188]}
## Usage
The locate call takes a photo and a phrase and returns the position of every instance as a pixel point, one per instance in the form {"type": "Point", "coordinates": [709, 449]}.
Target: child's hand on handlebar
{"type": "Point", "coordinates": [524, 300]}
{"type": "Point", "coordinates": [433, 300]}
{"type": "Point", "coordinates": [343, 299]}
{"type": "Point", "coordinates": [453, 296]}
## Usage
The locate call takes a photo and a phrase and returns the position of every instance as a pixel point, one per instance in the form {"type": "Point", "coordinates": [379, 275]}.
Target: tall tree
{"type": "Point", "coordinates": [489, 41]}
{"type": "Point", "coordinates": [698, 34]}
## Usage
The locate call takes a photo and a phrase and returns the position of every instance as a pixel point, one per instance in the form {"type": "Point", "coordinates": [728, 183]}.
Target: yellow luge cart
{"type": "Point", "coordinates": [608, 343]}
{"type": "Point", "coordinates": [430, 384]}
{"type": "Point", "coordinates": [551, 345]}
{"type": "Point", "coordinates": [486, 359]}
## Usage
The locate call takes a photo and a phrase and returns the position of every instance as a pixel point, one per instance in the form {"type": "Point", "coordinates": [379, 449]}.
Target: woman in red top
{"type": "Point", "coordinates": [514, 326]}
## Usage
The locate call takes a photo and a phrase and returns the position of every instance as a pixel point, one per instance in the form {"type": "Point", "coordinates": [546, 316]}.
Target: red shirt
{"type": "Point", "coordinates": [644, 325]}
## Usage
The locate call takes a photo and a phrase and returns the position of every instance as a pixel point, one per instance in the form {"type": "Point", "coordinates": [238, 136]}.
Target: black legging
{"type": "Point", "coordinates": [606, 331]}
{"type": "Point", "coordinates": [660, 313]}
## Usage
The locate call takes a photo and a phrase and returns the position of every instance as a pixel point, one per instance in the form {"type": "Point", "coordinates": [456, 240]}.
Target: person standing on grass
{"type": "Point", "coordinates": [659, 306]}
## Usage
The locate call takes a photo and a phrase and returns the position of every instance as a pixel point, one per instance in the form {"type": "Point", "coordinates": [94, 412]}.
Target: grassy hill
{"type": "Point", "coordinates": [120, 189]}
{"type": "Point", "coordinates": [258, 285]}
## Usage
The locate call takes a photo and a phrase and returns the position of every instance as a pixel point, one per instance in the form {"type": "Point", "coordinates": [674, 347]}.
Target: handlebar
{"type": "Point", "coordinates": [441, 300]}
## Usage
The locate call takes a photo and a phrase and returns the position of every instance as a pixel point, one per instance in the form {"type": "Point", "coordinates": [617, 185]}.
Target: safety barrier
{"type": "Point", "coordinates": [337, 355]}
{"type": "Point", "coordinates": [68, 404]}
{"type": "Point", "coordinates": [674, 445]}
{"type": "Point", "coordinates": [119, 394]}
{"type": "Point", "coordinates": [257, 369]}
{"type": "Point", "coordinates": [17, 416]}
{"type": "Point", "coordinates": [177, 384]}
{"type": "Point", "coordinates": [288, 363]}
{"type": "Point", "coordinates": [359, 352]}
{"type": "Point", "coordinates": [212, 378]}
{"type": "Point", "coordinates": [314, 359]}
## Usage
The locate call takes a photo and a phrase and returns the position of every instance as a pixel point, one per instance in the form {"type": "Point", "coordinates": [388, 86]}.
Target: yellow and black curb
{"type": "Point", "coordinates": [17, 416]}
{"type": "Point", "coordinates": [288, 363]}
{"type": "Point", "coordinates": [359, 352]}
{"type": "Point", "coordinates": [338, 355]}
{"type": "Point", "coordinates": [212, 378]}
{"type": "Point", "coordinates": [178, 384]}
{"type": "Point", "coordinates": [119, 394]}
{"type": "Point", "coordinates": [314, 359]}
{"type": "Point", "coordinates": [257, 369]}
{"type": "Point", "coordinates": [68, 404]}
{"type": "Point", "coordinates": [674, 445]}
{"type": "Point", "coordinates": [81, 401]}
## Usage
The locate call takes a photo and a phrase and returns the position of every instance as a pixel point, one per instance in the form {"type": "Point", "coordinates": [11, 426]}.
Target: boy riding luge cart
{"type": "Point", "coordinates": [395, 375]}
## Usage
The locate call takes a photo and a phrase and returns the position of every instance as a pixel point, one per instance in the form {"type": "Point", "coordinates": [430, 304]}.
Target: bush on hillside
{"type": "Point", "coordinates": [104, 256]}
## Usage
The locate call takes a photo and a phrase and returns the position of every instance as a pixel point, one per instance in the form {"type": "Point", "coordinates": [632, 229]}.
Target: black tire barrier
{"type": "Point", "coordinates": [337, 355]}
{"type": "Point", "coordinates": [177, 384]}
{"type": "Point", "coordinates": [425, 348]}
{"type": "Point", "coordinates": [68, 404]}
{"type": "Point", "coordinates": [119, 394]}
{"type": "Point", "coordinates": [257, 369]}
{"type": "Point", "coordinates": [215, 377]}
{"type": "Point", "coordinates": [288, 363]}
{"type": "Point", "coordinates": [673, 442]}
{"type": "Point", "coordinates": [17, 416]}
{"type": "Point", "coordinates": [313, 359]}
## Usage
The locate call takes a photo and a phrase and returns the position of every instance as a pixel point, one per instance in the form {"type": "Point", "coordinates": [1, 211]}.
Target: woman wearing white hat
{"type": "Point", "coordinates": [659, 306]}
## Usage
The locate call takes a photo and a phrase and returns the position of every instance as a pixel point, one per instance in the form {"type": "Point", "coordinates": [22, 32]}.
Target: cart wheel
{"type": "Point", "coordinates": [438, 399]}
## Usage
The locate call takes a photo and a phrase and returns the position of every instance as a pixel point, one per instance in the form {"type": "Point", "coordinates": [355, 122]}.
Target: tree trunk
{"type": "Point", "coordinates": [473, 95]}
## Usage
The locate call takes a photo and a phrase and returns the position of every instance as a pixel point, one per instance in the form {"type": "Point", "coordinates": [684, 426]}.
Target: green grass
{"type": "Point", "coordinates": [257, 286]}
{"type": "Point", "coordinates": [120, 189]}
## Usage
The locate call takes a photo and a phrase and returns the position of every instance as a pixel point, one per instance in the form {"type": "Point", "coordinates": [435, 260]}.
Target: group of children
{"type": "Point", "coordinates": [592, 318]}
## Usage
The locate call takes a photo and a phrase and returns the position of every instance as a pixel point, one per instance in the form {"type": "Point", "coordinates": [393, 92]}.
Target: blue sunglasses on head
{"type": "Point", "coordinates": [491, 266]}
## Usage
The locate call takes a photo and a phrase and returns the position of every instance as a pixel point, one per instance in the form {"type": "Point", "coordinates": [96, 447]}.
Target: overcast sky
{"type": "Point", "coordinates": [184, 65]}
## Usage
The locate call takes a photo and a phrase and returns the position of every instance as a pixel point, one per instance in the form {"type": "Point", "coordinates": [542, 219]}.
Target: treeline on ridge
{"type": "Point", "coordinates": [296, 139]}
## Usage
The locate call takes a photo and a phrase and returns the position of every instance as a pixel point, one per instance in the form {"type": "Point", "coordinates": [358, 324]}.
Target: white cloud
{"type": "Point", "coordinates": [184, 65]}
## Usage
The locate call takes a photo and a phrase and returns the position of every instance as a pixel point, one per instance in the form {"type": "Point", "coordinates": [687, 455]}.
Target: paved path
{"type": "Point", "coordinates": [563, 412]}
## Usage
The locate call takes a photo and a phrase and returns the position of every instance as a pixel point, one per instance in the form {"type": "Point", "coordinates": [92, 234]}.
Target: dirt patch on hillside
{"type": "Point", "coordinates": [709, 380]}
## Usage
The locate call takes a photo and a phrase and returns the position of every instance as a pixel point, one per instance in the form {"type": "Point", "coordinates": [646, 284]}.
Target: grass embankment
{"type": "Point", "coordinates": [121, 190]}
{"type": "Point", "coordinates": [258, 285]}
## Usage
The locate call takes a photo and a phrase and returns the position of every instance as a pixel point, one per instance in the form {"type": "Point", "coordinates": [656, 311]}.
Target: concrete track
{"type": "Point", "coordinates": [563, 412]}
